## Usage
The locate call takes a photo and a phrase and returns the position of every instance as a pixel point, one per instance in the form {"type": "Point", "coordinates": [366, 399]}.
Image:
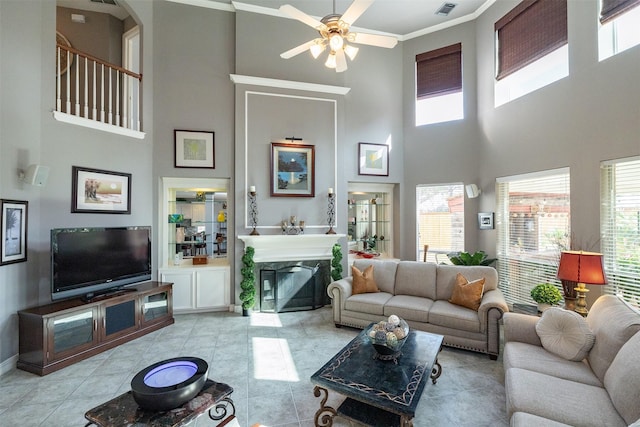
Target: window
{"type": "Point", "coordinates": [618, 31]}
{"type": "Point", "coordinates": [620, 226]}
{"type": "Point", "coordinates": [533, 225]}
{"type": "Point", "coordinates": [440, 219]}
{"type": "Point", "coordinates": [439, 85]}
{"type": "Point", "coordinates": [531, 46]}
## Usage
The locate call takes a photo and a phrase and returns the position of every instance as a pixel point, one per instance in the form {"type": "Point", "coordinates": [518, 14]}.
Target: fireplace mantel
{"type": "Point", "coordinates": [271, 248]}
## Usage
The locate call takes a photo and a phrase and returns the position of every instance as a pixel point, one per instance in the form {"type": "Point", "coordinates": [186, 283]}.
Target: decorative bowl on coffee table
{"type": "Point", "coordinates": [388, 337]}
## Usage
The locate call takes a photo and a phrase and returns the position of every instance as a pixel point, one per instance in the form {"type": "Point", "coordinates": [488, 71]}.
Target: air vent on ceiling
{"type": "Point", "coordinates": [445, 9]}
{"type": "Point", "coordinates": [113, 2]}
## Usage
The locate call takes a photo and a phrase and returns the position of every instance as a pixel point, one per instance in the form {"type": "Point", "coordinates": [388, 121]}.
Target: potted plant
{"type": "Point", "coordinates": [465, 258]}
{"type": "Point", "coordinates": [546, 295]}
{"type": "Point", "coordinates": [248, 293]}
{"type": "Point", "coordinates": [336, 262]}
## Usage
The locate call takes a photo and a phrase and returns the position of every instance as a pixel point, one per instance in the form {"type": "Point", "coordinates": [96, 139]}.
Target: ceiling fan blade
{"type": "Point", "coordinates": [341, 61]}
{"type": "Point", "coordinates": [374, 40]}
{"type": "Point", "coordinates": [297, 50]}
{"type": "Point", "coordinates": [292, 12]}
{"type": "Point", "coordinates": [354, 11]}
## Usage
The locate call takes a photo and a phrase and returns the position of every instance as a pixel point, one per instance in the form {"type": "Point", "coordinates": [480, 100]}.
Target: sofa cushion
{"type": "Point", "coordinates": [384, 272]}
{"type": "Point", "coordinates": [613, 322]}
{"type": "Point", "coordinates": [409, 307]}
{"type": "Point", "coordinates": [443, 313]}
{"type": "Point", "coordinates": [446, 278]}
{"type": "Point", "coordinates": [467, 294]}
{"type": "Point", "coordinates": [417, 279]}
{"type": "Point", "coordinates": [558, 399]}
{"type": "Point", "coordinates": [363, 281]}
{"type": "Point", "coordinates": [535, 358]}
{"type": "Point", "coordinates": [622, 380]}
{"type": "Point", "coordinates": [371, 303]}
{"type": "Point", "coordinates": [529, 420]}
{"type": "Point", "coordinates": [565, 333]}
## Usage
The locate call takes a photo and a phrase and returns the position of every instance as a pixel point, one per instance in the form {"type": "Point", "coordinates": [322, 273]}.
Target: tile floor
{"type": "Point", "coordinates": [266, 358]}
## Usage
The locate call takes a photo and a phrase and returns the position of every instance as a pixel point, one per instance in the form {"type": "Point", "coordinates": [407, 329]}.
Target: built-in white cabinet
{"type": "Point", "coordinates": [199, 288]}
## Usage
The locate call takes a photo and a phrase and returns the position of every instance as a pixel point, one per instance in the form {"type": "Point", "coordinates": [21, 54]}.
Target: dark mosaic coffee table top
{"type": "Point", "coordinates": [354, 373]}
{"type": "Point", "coordinates": [124, 411]}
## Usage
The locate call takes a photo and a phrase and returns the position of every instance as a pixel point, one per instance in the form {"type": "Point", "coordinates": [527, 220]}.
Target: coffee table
{"type": "Point", "coordinates": [124, 411]}
{"type": "Point", "coordinates": [378, 392]}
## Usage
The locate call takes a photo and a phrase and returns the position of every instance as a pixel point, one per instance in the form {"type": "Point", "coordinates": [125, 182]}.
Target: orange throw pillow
{"type": "Point", "coordinates": [467, 294]}
{"type": "Point", "coordinates": [363, 281]}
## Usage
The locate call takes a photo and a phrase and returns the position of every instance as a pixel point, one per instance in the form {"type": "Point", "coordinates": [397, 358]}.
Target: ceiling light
{"type": "Point", "coordinates": [351, 51]}
{"type": "Point", "coordinates": [336, 42]}
{"type": "Point", "coordinates": [316, 49]}
{"type": "Point", "coordinates": [331, 60]}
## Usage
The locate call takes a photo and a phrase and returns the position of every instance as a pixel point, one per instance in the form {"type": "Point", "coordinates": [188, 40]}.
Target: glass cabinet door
{"type": "Point", "coordinates": [72, 331]}
{"type": "Point", "coordinates": [155, 306]}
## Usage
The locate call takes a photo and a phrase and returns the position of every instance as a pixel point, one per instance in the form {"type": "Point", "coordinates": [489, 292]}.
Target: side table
{"type": "Point", "coordinates": [124, 411]}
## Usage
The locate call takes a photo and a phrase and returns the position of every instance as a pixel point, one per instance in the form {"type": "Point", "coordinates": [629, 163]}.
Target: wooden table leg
{"type": "Point", "coordinates": [327, 418]}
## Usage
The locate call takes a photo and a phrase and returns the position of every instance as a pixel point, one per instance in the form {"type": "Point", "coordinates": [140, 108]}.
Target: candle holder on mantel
{"type": "Point", "coordinates": [292, 226]}
{"type": "Point", "coordinates": [331, 211]}
{"type": "Point", "coordinates": [253, 211]}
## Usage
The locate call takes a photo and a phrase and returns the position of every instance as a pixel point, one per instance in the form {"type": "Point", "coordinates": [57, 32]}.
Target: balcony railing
{"type": "Point", "coordinates": [95, 90]}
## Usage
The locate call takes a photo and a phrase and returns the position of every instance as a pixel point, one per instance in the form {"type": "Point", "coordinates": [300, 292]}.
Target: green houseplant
{"type": "Point", "coordinates": [248, 293]}
{"type": "Point", "coordinates": [336, 262]}
{"type": "Point", "coordinates": [465, 258]}
{"type": "Point", "coordinates": [546, 294]}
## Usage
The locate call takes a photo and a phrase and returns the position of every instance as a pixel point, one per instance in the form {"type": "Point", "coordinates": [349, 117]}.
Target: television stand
{"type": "Point", "coordinates": [56, 335]}
{"type": "Point", "coordinates": [107, 293]}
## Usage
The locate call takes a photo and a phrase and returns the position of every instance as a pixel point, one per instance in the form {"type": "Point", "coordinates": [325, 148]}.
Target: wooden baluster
{"type": "Point", "coordinates": [125, 101]}
{"type": "Point", "coordinates": [58, 100]}
{"type": "Point", "coordinates": [68, 100]}
{"type": "Point", "coordinates": [77, 104]}
{"type": "Point", "coordinates": [110, 105]}
{"type": "Point", "coordinates": [86, 89]}
{"type": "Point", "coordinates": [95, 101]}
{"type": "Point", "coordinates": [117, 98]}
{"type": "Point", "coordinates": [138, 105]}
{"type": "Point", "coordinates": [102, 95]}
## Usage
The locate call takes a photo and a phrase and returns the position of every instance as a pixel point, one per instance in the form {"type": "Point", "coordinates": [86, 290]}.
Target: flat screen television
{"type": "Point", "coordinates": [90, 261]}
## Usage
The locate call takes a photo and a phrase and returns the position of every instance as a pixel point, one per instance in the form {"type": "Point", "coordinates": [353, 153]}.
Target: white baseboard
{"type": "Point", "coordinates": [8, 365]}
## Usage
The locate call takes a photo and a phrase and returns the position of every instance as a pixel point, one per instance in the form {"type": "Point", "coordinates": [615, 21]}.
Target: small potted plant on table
{"type": "Point", "coordinates": [546, 295]}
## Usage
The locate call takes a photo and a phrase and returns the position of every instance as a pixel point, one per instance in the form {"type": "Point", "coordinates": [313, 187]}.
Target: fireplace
{"type": "Point", "coordinates": [293, 286]}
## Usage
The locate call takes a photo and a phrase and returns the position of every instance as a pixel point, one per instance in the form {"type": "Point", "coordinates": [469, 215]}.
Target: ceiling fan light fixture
{"type": "Point", "coordinates": [316, 49]}
{"type": "Point", "coordinates": [351, 51]}
{"type": "Point", "coordinates": [331, 60]}
{"type": "Point", "coordinates": [336, 42]}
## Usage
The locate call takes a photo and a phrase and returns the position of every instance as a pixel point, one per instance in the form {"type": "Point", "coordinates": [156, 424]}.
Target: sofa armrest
{"type": "Point", "coordinates": [492, 307]}
{"type": "Point", "coordinates": [521, 327]}
{"type": "Point", "coordinates": [339, 291]}
{"type": "Point", "coordinates": [492, 299]}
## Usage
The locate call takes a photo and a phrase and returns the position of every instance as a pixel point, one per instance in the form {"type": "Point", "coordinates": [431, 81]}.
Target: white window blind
{"type": "Point", "coordinates": [440, 217]}
{"type": "Point", "coordinates": [620, 226]}
{"type": "Point", "coordinates": [532, 220]}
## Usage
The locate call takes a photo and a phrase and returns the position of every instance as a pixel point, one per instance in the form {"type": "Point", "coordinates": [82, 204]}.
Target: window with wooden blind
{"type": "Point", "coordinates": [440, 220]}
{"type": "Point", "coordinates": [531, 48]}
{"type": "Point", "coordinates": [439, 85]}
{"type": "Point", "coordinates": [620, 226]}
{"type": "Point", "coordinates": [533, 216]}
{"type": "Point", "coordinates": [619, 27]}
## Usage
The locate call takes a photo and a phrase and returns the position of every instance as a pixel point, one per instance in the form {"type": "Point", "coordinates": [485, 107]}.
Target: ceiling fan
{"type": "Point", "coordinates": [335, 34]}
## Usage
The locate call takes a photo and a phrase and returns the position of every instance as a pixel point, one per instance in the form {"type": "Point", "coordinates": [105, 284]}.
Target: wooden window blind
{"type": "Point", "coordinates": [531, 30]}
{"type": "Point", "coordinates": [439, 72]}
{"type": "Point", "coordinates": [620, 227]}
{"type": "Point", "coordinates": [611, 9]}
{"type": "Point", "coordinates": [533, 226]}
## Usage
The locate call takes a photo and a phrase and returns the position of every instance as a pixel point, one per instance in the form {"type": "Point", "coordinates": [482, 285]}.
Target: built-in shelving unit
{"type": "Point", "coordinates": [370, 218]}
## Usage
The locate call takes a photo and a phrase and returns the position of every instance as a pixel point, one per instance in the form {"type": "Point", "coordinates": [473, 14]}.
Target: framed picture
{"type": "Point", "coordinates": [14, 231]}
{"type": "Point", "coordinates": [373, 159]}
{"type": "Point", "coordinates": [194, 149]}
{"type": "Point", "coordinates": [485, 220]}
{"type": "Point", "coordinates": [100, 191]}
{"type": "Point", "coordinates": [292, 170]}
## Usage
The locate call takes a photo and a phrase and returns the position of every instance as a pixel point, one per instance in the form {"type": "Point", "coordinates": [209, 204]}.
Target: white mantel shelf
{"type": "Point", "coordinates": [275, 248]}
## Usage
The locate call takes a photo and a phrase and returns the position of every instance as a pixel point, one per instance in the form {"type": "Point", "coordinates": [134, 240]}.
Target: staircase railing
{"type": "Point", "coordinates": [94, 89]}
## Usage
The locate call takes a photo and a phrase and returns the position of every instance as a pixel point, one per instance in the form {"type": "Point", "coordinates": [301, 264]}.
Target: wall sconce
{"type": "Point", "coordinates": [253, 210]}
{"type": "Point", "coordinates": [472, 191]}
{"type": "Point", "coordinates": [35, 175]}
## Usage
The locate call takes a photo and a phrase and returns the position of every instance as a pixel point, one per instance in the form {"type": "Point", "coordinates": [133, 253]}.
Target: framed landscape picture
{"type": "Point", "coordinates": [194, 149]}
{"type": "Point", "coordinates": [100, 191]}
{"type": "Point", "coordinates": [292, 170]}
{"type": "Point", "coordinates": [373, 159]}
{"type": "Point", "coordinates": [13, 232]}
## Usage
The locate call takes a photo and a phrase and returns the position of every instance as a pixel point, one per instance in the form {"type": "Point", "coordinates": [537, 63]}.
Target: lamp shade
{"type": "Point", "coordinates": [582, 267]}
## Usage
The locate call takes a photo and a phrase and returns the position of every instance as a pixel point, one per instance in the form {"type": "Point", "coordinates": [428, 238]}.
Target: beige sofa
{"type": "Point", "coordinates": [419, 293]}
{"type": "Point", "coordinates": [544, 389]}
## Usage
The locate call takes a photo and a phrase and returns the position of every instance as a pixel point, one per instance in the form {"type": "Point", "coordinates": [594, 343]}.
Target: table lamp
{"type": "Point", "coordinates": [582, 267]}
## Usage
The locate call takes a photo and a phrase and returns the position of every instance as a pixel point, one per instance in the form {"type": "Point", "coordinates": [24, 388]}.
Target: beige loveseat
{"type": "Point", "coordinates": [419, 293]}
{"type": "Point", "coordinates": [544, 389]}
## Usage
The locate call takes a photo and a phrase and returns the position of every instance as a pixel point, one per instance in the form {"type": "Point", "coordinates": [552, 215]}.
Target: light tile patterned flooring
{"type": "Point", "coordinates": [267, 359]}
